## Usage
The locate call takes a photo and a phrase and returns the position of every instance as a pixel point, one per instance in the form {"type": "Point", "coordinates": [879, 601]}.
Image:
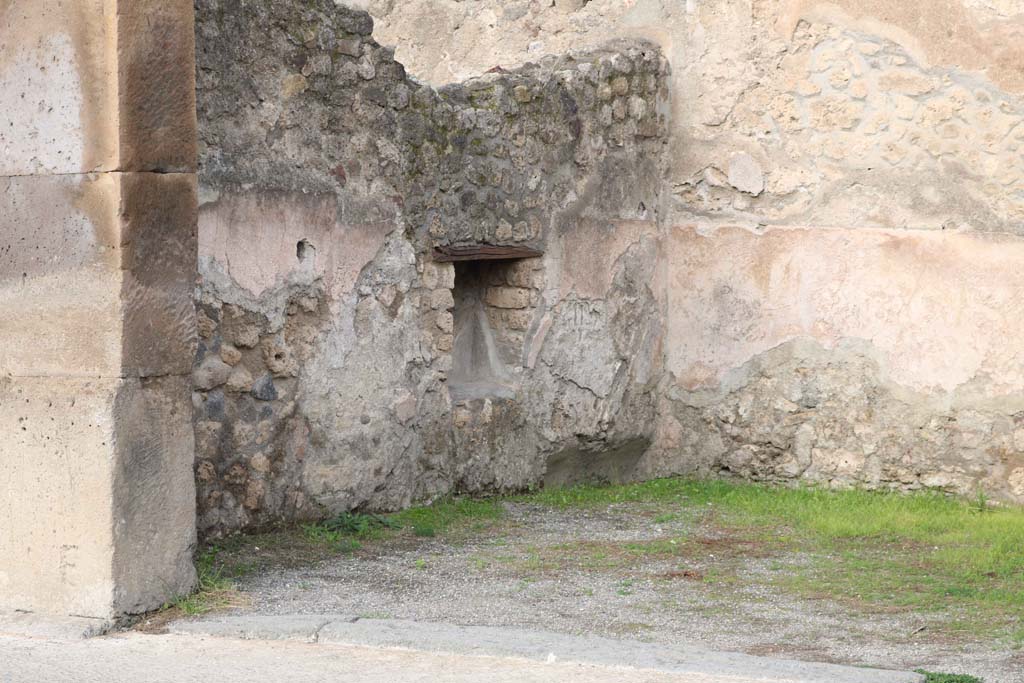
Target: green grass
{"type": "Point", "coordinates": [930, 677]}
{"type": "Point", "coordinates": [922, 552]}
{"type": "Point", "coordinates": [655, 491]}
{"type": "Point", "coordinates": [339, 541]}
{"type": "Point", "coordinates": [946, 531]}
{"type": "Point", "coordinates": [448, 513]}
{"type": "Point", "coordinates": [345, 531]}
{"type": "Point", "coordinates": [214, 590]}
{"type": "Point", "coordinates": [961, 560]}
{"type": "Point", "coordinates": [348, 530]}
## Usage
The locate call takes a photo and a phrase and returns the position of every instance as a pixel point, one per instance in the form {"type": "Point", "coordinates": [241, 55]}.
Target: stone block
{"type": "Point", "coordinates": [156, 76]}
{"type": "Point", "coordinates": [56, 542]}
{"type": "Point", "coordinates": [98, 496]}
{"type": "Point", "coordinates": [158, 254]}
{"type": "Point", "coordinates": [60, 277]}
{"type": "Point", "coordinates": [508, 297]}
{"type": "Point", "coordinates": [523, 273]}
{"type": "Point", "coordinates": [97, 268]}
{"type": "Point", "coordinates": [97, 85]}
{"type": "Point", "coordinates": [518, 319]}
{"type": "Point", "coordinates": [154, 496]}
{"type": "Point", "coordinates": [57, 87]}
{"type": "Point", "coordinates": [96, 274]}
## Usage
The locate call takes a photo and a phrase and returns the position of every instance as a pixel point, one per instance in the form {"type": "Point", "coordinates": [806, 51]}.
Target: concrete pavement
{"type": "Point", "coordinates": [689, 662]}
{"type": "Point", "coordinates": [339, 648]}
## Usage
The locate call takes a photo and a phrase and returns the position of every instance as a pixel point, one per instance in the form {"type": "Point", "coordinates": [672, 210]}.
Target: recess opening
{"type": "Point", "coordinates": [495, 302]}
{"type": "Point", "coordinates": [305, 253]}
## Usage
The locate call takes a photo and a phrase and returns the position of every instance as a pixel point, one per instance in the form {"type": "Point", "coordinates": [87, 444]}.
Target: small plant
{"type": "Point", "coordinates": [451, 513]}
{"type": "Point", "coordinates": [932, 677]}
{"type": "Point", "coordinates": [213, 589]}
{"type": "Point", "coordinates": [343, 530]}
{"type": "Point", "coordinates": [421, 564]}
{"type": "Point", "coordinates": [981, 502]}
{"type": "Point", "coordinates": [375, 615]}
{"type": "Point", "coordinates": [357, 523]}
{"type": "Point", "coordinates": [320, 535]}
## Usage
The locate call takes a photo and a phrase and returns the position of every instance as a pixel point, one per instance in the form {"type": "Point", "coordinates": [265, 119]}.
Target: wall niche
{"type": "Point", "coordinates": [495, 303]}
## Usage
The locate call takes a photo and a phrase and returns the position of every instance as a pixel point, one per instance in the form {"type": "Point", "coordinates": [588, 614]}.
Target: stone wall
{"type": "Point", "coordinates": [843, 213]}
{"type": "Point", "coordinates": [790, 258]}
{"type": "Point", "coordinates": [328, 327]}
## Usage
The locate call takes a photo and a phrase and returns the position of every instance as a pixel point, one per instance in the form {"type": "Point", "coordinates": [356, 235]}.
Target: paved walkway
{"type": "Point", "coordinates": [341, 649]}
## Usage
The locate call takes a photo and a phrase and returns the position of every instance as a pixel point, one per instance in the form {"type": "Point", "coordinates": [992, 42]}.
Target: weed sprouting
{"type": "Point", "coordinates": [932, 677]}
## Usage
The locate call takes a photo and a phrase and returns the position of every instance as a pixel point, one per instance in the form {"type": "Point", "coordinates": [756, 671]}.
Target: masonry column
{"type": "Point", "coordinates": [97, 267]}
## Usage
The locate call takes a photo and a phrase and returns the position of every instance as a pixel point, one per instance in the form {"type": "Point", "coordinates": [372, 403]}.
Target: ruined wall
{"type": "Point", "coordinates": [327, 178]}
{"type": "Point", "coordinates": [844, 206]}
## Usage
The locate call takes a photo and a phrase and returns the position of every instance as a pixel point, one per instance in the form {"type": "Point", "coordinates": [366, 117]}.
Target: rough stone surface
{"type": "Point", "coordinates": [779, 371]}
{"type": "Point", "coordinates": [793, 256]}
{"type": "Point", "coordinates": [836, 303]}
{"type": "Point", "coordinates": [878, 113]}
{"type": "Point", "coordinates": [322, 201]}
{"type": "Point", "coordinates": [96, 85]}
{"type": "Point", "coordinates": [56, 94]}
{"type": "Point", "coordinates": [775, 282]}
{"type": "Point", "coordinates": [122, 518]}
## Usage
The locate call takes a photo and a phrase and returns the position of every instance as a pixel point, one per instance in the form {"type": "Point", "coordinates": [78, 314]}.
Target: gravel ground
{"type": "Point", "coordinates": [519, 573]}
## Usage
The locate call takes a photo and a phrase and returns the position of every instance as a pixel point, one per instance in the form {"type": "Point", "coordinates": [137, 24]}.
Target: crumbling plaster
{"type": "Point", "coordinates": [843, 207]}
{"type": "Point", "coordinates": [854, 114]}
{"type": "Point", "coordinates": [327, 325]}
{"type": "Point", "coordinates": [790, 256]}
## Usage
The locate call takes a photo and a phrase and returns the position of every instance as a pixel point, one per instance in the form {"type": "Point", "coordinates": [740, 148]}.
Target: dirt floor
{"type": "Point", "coordinates": [616, 571]}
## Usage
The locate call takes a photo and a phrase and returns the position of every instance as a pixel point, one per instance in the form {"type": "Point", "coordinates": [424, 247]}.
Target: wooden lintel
{"type": "Point", "coordinates": [484, 252]}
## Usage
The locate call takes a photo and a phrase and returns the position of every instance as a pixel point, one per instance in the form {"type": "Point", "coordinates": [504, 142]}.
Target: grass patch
{"type": "Point", "coordinates": [442, 518]}
{"type": "Point", "coordinates": [923, 552]}
{"type": "Point", "coordinates": [214, 590]}
{"type": "Point", "coordinates": [336, 540]}
{"type": "Point", "coordinates": [358, 524]}
{"type": "Point", "coordinates": [931, 677]}
{"type": "Point", "coordinates": [451, 514]}
{"type": "Point", "coordinates": [344, 531]}
{"type": "Point", "coordinates": [655, 491]}
{"type": "Point", "coordinates": [960, 562]}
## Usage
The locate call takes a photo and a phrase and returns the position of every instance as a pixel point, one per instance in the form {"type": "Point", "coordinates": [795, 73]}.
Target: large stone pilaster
{"type": "Point", "coordinates": [97, 266]}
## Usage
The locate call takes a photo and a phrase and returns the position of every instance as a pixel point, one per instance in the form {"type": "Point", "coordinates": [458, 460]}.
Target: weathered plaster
{"type": "Point", "coordinates": [937, 307]}
{"type": "Point", "coordinates": [854, 114]}
{"type": "Point", "coordinates": [978, 36]}
{"type": "Point", "coordinates": [841, 223]}
{"type": "Point", "coordinates": [324, 384]}
{"type": "Point", "coordinates": [253, 238]}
